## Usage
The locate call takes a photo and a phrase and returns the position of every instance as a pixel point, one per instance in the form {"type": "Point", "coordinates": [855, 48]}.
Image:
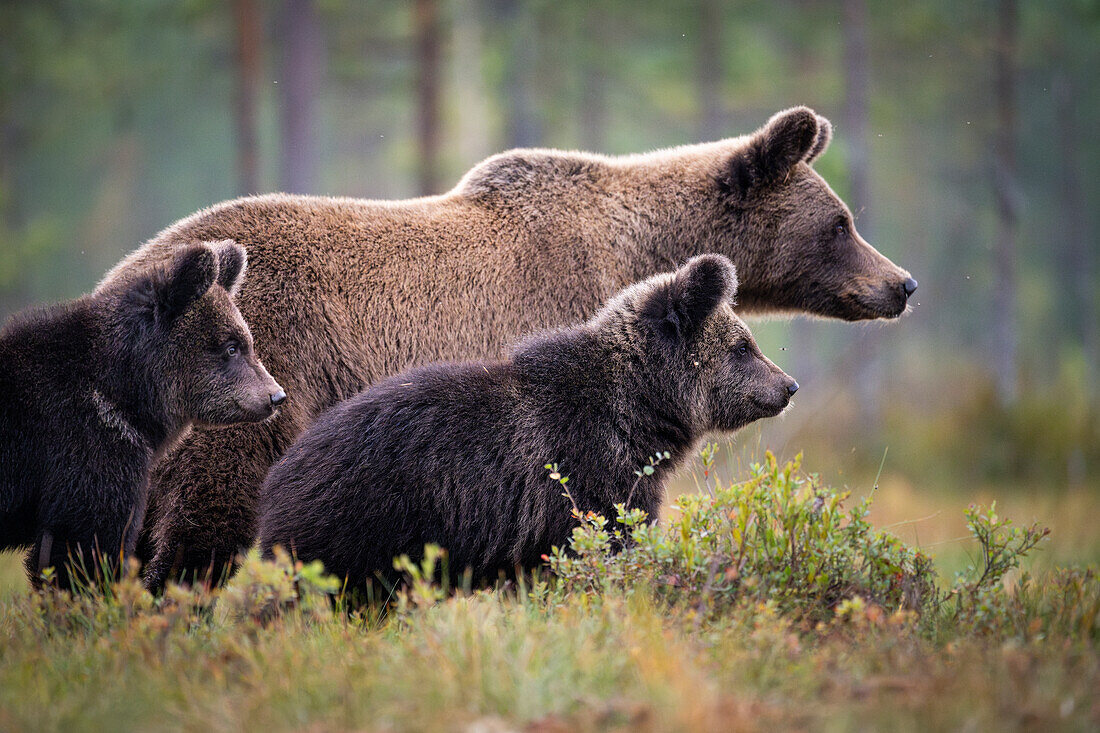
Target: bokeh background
{"type": "Point", "coordinates": [965, 142]}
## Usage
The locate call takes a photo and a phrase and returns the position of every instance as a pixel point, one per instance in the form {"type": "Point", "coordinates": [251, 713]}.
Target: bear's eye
{"type": "Point", "coordinates": [841, 229]}
{"type": "Point", "coordinates": [232, 349]}
{"type": "Point", "coordinates": [742, 350]}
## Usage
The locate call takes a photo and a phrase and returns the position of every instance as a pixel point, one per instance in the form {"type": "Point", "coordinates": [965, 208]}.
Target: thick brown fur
{"type": "Point", "coordinates": [94, 391]}
{"type": "Point", "coordinates": [453, 453]}
{"type": "Point", "coordinates": [342, 292]}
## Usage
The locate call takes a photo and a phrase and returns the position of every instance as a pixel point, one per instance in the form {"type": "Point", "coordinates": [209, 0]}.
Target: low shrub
{"type": "Point", "coordinates": [781, 538]}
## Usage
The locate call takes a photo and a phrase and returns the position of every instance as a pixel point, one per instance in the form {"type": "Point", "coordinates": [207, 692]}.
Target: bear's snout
{"type": "Point", "coordinates": [884, 298]}
{"type": "Point", "coordinates": [773, 393]}
{"type": "Point", "coordinates": [787, 387]}
{"type": "Point", "coordinates": [269, 398]}
{"type": "Point", "coordinates": [901, 292]}
{"type": "Point", "coordinates": [262, 395]}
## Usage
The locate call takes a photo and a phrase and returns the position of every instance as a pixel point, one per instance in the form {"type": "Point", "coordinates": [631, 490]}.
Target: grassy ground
{"type": "Point", "coordinates": [572, 660]}
{"type": "Point", "coordinates": [490, 663]}
{"type": "Point", "coordinates": [500, 665]}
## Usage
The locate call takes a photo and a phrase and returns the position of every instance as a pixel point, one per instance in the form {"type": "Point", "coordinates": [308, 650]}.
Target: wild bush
{"type": "Point", "coordinates": [781, 538]}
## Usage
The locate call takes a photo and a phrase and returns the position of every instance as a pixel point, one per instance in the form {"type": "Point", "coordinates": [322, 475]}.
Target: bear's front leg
{"type": "Point", "coordinates": [206, 494]}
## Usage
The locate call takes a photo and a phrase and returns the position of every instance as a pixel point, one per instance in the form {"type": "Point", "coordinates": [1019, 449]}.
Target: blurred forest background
{"type": "Point", "coordinates": [965, 142]}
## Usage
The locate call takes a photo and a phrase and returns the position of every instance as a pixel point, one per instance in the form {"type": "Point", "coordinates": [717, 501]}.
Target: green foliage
{"type": "Point", "coordinates": [782, 539]}
{"type": "Point", "coordinates": [766, 600]}
{"type": "Point", "coordinates": [421, 588]}
{"type": "Point", "coordinates": [777, 538]}
{"type": "Point", "coordinates": [262, 590]}
{"type": "Point", "coordinates": [980, 603]}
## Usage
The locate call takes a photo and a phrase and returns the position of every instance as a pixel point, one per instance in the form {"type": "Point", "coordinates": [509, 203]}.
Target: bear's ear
{"type": "Point", "coordinates": [190, 274]}
{"type": "Point", "coordinates": [232, 263]}
{"type": "Point", "coordinates": [788, 138]}
{"type": "Point", "coordinates": [824, 137]}
{"type": "Point", "coordinates": [680, 305]}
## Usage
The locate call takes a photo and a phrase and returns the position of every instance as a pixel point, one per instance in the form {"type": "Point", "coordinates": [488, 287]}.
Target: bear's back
{"type": "Point", "coordinates": [47, 355]}
{"type": "Point", "coordinates": [44, 367]}
{"type": "Point", "coordinates": [312, 232]}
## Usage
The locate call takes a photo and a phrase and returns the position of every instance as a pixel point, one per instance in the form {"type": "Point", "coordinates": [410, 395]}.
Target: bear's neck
{"type": "Point", "coordinates": [605, 418]}
{"type": "Point", "coordinates": [635, 215]}
{"type": "Point", "coordinates": [673, 210]}
{"type": "Point", "coordinates": [128, 391]}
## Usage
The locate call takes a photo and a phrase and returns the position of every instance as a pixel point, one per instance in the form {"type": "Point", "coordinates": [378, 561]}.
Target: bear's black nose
{"type": "Point", "coordinates": [792, 388]}
{"type": "Point", "coordinates": [910, 286]}
{"type": "Point", "coordinates": [278, 398]}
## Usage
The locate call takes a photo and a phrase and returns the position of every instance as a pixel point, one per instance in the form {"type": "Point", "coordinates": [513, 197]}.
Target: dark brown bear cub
{"type": "Point", "coordinates": [94, 391]}
{"type": "Point", "coordinates": [454, 454]}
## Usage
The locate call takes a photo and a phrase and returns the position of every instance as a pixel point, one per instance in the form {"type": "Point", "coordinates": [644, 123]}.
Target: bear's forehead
{"type": "Point", "coordinates": [804, 196]}
{"type": "Point", "coordinates": [727, 325]}
{"type": "Point", "coordinates": [215, 310]}
{"type": "Point", "coordinates": [807, 189]}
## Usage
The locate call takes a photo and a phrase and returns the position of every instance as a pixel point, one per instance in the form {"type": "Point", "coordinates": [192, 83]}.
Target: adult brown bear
{"type": "Point", "coordinates": [342, 292]}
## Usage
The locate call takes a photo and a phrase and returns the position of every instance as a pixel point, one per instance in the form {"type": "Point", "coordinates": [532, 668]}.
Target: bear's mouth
{"type": "Point", "coordinates": [262, 415]}
{"type": "Point", "coordinates": [884, 304]}
{"type": "Point", "coordinates": [769, 408]}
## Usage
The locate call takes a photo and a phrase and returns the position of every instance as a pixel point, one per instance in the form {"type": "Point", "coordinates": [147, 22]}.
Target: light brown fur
{"type": "Point", "coordinates": [342, 292]}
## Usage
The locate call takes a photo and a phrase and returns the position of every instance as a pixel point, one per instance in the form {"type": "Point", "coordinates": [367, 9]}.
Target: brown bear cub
{"type": "Point", "coordinates": [454, 453]}
{"type": "Point", "coordinates": [94, 391]}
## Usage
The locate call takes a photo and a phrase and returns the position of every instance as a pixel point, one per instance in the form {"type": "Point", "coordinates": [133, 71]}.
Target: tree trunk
{"type": "Point", "coordinates": [1077, 264]}
{"type": "Point", "coordinates": [471, 100]}
{"type": "Point", "coordinates": [523, 126]}
{"type": "Point", "coordinates": [12, 286]}
{"type": "Point", "coordinates": [856, 85]}
{"type": "Point", "coordinates": [857, 81]}
{"type": "Point", "coordinates": [249, 35]}
{"type": "Point", "coordinates": [300, 81]}
{"type": "Point", "coordinates": [1007, 196]}
{"type": "Point", "coordinates": [593, 113]}
{"type": "Point", "coordinates": [426, 24]}
{"type": "Point", "coordinates": [708, 70]}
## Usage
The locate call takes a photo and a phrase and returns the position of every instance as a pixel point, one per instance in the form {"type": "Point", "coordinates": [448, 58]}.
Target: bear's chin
{"type": "Point", "coordinates": [883, 313]}
{"type": "Point", "coordinates": [872, 306]}
{"type": "Point", "coordinates": [210, 422]}
{"type": "Point", "coordinates": [757, 411]}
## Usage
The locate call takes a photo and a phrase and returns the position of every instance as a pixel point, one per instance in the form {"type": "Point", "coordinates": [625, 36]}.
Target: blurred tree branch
{"type": "Point", "coordinates": [1005, 318]}
{"type": "Point", "coordinates": [248, 29]}
{"type": "Point", "coordinates": [302, 59]}
{"type": "Point", "coordinates": [426, 23]}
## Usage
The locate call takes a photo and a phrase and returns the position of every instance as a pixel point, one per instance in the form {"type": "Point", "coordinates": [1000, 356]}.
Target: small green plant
{"type": "Point", "coordinates": [263, 590]}
{"type": "Point", "coordinates": [1002, 545]}
{"type": "Point", "coordinates": [782, 539]}
{"type": "Point", "coordinates": [654, 461]}
{"type": "Point", "coordinates": [422, 589]}
{"type": "Point", "coordinates": [980, 602]}
{"type": "Point", "coordinates": [706, 456]}
{"type": "Point", "coordinates": [555, 475]}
